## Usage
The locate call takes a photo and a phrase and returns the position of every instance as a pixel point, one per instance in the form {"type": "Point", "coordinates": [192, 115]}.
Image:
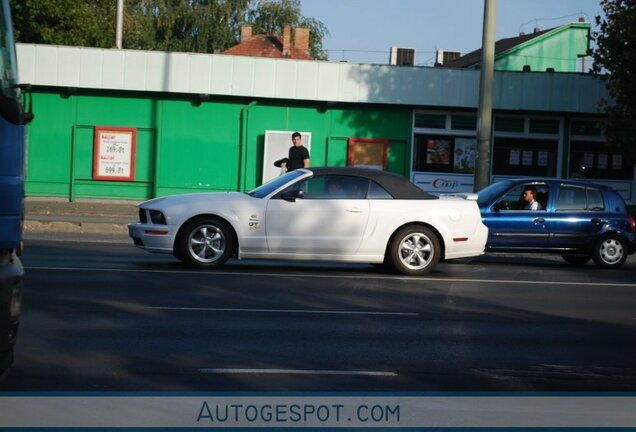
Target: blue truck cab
{"type": "Point", "coordinates": [12, 172]}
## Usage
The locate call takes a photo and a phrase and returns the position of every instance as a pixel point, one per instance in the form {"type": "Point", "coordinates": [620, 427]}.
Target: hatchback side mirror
{"type": "Point", "coordinates": [500, 205]}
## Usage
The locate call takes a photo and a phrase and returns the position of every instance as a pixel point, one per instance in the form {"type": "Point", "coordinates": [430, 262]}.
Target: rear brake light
{"type": "Point", "coordinates": [632, 223]}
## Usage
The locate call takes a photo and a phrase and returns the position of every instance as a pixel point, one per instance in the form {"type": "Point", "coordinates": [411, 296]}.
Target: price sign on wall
{"type": "Point", "coordinates": [114, 153]}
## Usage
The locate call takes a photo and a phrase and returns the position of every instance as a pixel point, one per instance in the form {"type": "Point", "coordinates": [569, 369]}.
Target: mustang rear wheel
{"type": "Point", "coordinates": [414, 250]}
{"type": "Point", "coordinates": [610, 251]}
{"type": "Point", "coordinates": [204, 243]}
{"type": "Point", "coordinates": [576, 260]}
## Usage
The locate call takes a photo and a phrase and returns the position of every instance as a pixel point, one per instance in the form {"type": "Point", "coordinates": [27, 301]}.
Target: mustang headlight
{"type": "Point", "coordinates": [157, 217]}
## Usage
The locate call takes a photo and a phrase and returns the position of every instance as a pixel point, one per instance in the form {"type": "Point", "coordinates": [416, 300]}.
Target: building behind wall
{"type": "Point", "coordinates": [200, 120]}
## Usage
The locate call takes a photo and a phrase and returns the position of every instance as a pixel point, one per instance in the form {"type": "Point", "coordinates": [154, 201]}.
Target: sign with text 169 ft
{"type": "Point", "coordinates": [114, 153]}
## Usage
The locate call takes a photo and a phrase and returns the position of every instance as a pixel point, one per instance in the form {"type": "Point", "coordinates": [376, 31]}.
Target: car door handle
{"type": "Point", "coordinates": [539, 220]}
{"type": "Point", "coordinates": [355, 210]}
{"type": "Point", "coordinates": [596, 220]}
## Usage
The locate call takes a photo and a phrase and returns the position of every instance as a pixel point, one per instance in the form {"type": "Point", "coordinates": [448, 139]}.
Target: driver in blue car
{"type": "Point", "coordinates": [529, 196]}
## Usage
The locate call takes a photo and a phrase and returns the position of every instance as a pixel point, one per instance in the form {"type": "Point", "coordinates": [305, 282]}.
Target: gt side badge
{"type": "Point", "coordinates": [253, 222]}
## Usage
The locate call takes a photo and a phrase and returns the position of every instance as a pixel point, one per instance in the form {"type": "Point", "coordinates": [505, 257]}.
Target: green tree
{"type": "Point", "coordinates": [168, 25]}
{"type": "Point", "coordinates": [183, 25]}
{"type": "Point", "coordinates": [615, 60]}
{"type": "Point", "coordinates": [64, 22]}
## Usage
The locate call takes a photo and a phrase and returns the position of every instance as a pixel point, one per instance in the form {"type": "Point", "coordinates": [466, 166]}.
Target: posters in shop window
{"type": "Point", "coordinates": [465, 154]}
{"type": "Point", "coordinates": [438, 152]}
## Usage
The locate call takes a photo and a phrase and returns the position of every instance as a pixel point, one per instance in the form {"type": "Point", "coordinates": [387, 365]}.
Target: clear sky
{"type": "Point", "coordinates": [364, 30]}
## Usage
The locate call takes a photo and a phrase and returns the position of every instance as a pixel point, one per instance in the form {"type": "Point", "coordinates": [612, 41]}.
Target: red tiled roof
{"type": "Point", "coordinates": [266, 46]}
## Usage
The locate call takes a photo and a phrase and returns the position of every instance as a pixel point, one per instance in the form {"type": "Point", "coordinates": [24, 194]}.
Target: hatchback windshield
{"type": "Point", "coordinates": [488, 193]}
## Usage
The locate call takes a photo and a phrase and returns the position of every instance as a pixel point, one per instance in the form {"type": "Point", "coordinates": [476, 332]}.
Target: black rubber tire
{"type": "Point", "coordinates": [204, 243]}
{"type": "Point", "coordinates": [576, 260]}
{"type": "Point", "coordinates": [425, 248]}
{"type": "Point", "coordinates": [610, 251]}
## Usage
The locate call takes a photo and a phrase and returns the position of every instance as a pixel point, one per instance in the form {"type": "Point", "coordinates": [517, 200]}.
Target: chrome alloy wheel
{"type": "Point", "coordinates": [611, 250]}
{"type": "Point", "coordinates": [416, 250]}
{"type": "Point", "coordinates": [207, 244]}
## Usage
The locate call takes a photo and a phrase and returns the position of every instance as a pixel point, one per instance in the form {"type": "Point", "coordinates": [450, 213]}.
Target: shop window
{"type": "Point", "coordinates": [509, 124]}
{"type": "Point", "coordinates": [524, 157]}
{"type": "Point", "coordinates": [445, 154]}
{"type": "Point", "coordinates": [464, 122]}
{"type": "Point", "coordinates": [589, 128]}
{"type": "Point", "coordinates": [544, 126]}
{"type": "Point", "coordinates": [430, 121]}
{"type": "Point", "coordinates": [589, 159]}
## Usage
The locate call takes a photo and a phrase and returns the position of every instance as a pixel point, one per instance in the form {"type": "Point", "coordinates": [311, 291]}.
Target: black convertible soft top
{"type": "Point", "coordinates": [395, 184]}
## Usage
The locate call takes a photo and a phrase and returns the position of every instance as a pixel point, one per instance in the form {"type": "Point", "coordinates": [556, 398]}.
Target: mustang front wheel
{"type": "Point", "coordinates": [204, 243]}
{"type": "Point", "coordinates": [415, 250]}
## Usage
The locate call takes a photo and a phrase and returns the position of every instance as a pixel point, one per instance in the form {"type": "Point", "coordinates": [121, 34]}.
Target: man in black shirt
{"type": "Point", "coordinates": [298, 154]}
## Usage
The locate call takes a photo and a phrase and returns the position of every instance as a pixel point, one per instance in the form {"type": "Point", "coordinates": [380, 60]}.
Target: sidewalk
{"type": "Point", "coordinates": [85, 216]}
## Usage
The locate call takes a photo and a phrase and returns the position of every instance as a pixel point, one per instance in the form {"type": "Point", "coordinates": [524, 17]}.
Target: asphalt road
{"type": "Point", "coordinates": [104, 316]}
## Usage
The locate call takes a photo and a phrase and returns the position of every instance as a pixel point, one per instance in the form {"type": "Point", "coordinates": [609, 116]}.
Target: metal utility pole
{"type": "Point", "coordinates": [120, 24]}
{"type": "Point", "coordinates": [484, 114]}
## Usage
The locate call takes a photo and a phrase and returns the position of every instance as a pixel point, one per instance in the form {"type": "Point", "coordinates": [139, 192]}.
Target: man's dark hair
{"type": "Point", "coordinates": [296, 134]}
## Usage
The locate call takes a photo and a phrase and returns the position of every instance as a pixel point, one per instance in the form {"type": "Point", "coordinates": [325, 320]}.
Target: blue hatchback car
{"type": "Point", "coordinates": [577, 219]}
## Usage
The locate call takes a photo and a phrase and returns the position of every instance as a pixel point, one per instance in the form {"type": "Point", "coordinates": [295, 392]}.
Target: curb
{"type": "Point", "coordinates": [75, 227]}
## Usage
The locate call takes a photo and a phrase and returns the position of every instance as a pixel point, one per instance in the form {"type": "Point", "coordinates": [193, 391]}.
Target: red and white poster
{"type": "Point", "coordinates": [114, 153]}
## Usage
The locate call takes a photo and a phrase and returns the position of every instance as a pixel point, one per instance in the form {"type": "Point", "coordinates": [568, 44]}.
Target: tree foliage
{"type": "Point", "coordinates": [168, 25]}
{"type": "Point", "coordinates": [615, 59]}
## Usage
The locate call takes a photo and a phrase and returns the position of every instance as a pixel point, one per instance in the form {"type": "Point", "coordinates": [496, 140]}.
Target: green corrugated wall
{"type": "Point", "coordinates": [189, 145]}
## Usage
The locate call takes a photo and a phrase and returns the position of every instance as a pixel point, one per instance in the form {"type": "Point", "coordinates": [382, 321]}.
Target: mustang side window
{"type": "Point", "coordinates": [334, 187]}
{"type": "Point", "coordinates": [377, 192]}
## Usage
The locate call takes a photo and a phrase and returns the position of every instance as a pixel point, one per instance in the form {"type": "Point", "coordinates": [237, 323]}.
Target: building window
{"type": "Point", "coordinates": [464, 122]}
{"type": "Point", "coordinates": [509, 124]}
{"type": "Point", "coordinates": [430, 121]}
{"type": "Point", "coordinates": [524, 157]}
{"type": "Point", "coordinates": [592, 157]}
{"type": "Point", "coordinates": [442, 153]}
{"type": "Point", "coordinates": [544, 126]}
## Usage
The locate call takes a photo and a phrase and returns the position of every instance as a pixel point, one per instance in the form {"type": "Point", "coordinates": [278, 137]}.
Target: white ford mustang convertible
{"type": "Point", "coordinates": [327, 214]}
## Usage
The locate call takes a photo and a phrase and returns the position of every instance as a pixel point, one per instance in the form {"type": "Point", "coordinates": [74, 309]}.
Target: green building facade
{"type": "Point", "coordinates": [199, 121]}
{"type": "Point", "coordinates": [185, 144]}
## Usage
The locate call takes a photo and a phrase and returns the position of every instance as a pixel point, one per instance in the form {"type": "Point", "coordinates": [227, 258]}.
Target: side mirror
{"type": "Point", "coordinates": [292, 195]}
{"type": "Point", "coordinates": [500, 205]}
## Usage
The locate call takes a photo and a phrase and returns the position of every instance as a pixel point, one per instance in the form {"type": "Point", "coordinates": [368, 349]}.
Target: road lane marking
{"type": "Point", "coordinates": [335, 276]}
{"type": "Point", "coordinates": [296, 372]}
{"type": "Point", "coordinates": [296, 311]}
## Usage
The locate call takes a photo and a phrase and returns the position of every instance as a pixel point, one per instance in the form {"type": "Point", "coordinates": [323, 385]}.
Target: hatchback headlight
{"type": "Point", "coordinates": [157, 217]}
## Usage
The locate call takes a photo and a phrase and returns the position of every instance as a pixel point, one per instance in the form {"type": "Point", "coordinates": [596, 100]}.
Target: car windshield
{"type": "Point", "coordinates": [489, 193]}
{"type": "Point", "coordinates": [8, 63]}
{"type": "Point", "coordinates": [269, 187]}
